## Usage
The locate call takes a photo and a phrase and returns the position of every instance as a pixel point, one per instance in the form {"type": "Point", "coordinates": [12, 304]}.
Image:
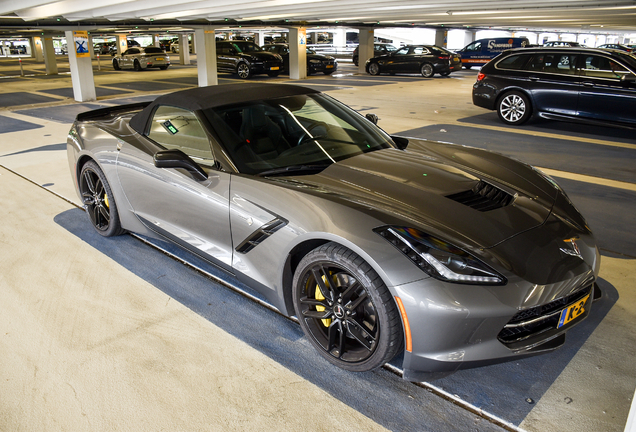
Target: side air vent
{"type": "Point", "coordinates": [260, 235]}
{"type": "Point", "coordinates": [483, 197]}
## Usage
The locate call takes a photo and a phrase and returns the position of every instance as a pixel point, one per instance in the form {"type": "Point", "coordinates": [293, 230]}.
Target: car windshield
{"type": "Point", "coordinates": [246, 47]}
{"type": "Point", "coordinates": [153, 50]}
{"type": "Point", "coordinates": [293, 134]}
{"type": "Point", "coordinates": [390, 48]}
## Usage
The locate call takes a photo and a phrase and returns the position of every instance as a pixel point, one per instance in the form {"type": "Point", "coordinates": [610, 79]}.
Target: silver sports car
{"type": "Point", "coordinates": [455, 256]}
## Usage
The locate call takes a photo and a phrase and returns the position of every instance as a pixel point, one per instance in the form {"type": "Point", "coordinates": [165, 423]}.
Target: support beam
{"type": "Point", "coordinates": [365, 48]}
{"type": "Point", "coordinates": [184, 49]}
{"type": "Point", "coordinates": [206, 56]}
{"type": "Point", "coordinates": [260, 37]}
{"type": "Point", "coordinates": [38, 52]}
{"type": "Point", "coordinates": [49, 56]}
{"type": "Point", "coordinates": [122, 44]}
{"type": "Point", "coordinates": [441, 38]}
{"type": "Point", "coordinates": [81, 73]}
{"type": "Point", "coordinates": [297, 53]}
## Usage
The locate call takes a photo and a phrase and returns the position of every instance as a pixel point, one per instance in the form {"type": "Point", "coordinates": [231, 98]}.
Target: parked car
{"type": "Point", "coordinates": [482, 259]}
{"type": "Point", "coordinates": [174, 46]}
{"type": "Point", "coordinates": [481, 51]}
{"type": "Point", "coordinates": [562, 44]}
{"type": "Point", "coordinates": [246, 59]}
{"type": "Point", "coordinates": [142, 58]}
{"type": "Point", "coordinates": [104, 47]}
{"type": "Point", "coordinates": [575, 84]}
{"type": "Point", "coordinates": [425, 59]}
{"type": "Point", "coordinates": [131, 43]}
{"type": "Point", "coordinates": [378, 50]}
{"type": "Point", "coordinates": [618, 47]}
{"type": "Point", "coordinates": [315, 62]}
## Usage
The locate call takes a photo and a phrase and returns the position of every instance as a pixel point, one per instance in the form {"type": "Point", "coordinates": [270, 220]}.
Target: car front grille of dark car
{"type": "Point", "coordinates": [483, 197]}
{"type": "Point", "coordinates": [529, 325]}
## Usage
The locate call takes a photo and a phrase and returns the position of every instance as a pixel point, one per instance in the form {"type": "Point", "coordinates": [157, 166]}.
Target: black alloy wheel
{"type": "Point", "coordinates": [345, 309]}
{"type": "Point", "coordinates": [137, 65]}
{"type": "Point", "coordinates": [514, 108]}
{"type": "Point", "coordinates": [243, 70]}
{"type": "Point", "coordinates": [116, 65]}
{"type": "Point", "coordinates": [98, 201]}
{"type": "Point", "coordinates": [374, 68]}
{"type": "Point", "coordinates": [427, 70]}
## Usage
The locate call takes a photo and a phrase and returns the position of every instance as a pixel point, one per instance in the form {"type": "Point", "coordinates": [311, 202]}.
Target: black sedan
{"type": "Point", "coordinates": [425, 59]}
{"type": "Point", "coordinates": [574, 84]}
{"type": "Point", "coordinates": [315, 62]}
{"type": "Point", "coordinates": [246, 59]}
{"type": "Point", "coordinates": [378, 50]}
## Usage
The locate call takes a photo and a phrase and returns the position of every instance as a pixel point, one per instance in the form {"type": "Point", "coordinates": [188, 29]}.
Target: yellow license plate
{"type": "Point", "coordinates": [159, 58]}
{"type": "Point", "coordinates": [572, 311]}
{"type": "Point", "coordinates": [329, 66]}
{"type": "Point", "coordinates": [274, 68]}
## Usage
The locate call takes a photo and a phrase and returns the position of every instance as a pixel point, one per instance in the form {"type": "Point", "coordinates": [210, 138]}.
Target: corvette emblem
{"type": "Point", "coordinates": [573, 248]}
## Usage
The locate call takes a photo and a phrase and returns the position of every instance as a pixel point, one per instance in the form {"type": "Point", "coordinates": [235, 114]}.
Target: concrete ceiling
{"type": "Point", "coordinates": [594, 16]}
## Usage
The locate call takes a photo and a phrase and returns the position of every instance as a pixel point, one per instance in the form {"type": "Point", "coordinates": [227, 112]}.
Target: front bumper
{"type": "Point", "coordinates": [462, 326]}
{"type": "Point", "coordinates": [266, 67]}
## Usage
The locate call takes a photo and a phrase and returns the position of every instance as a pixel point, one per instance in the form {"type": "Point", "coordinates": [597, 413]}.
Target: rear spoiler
{"type": "Point", "coordinates": [110, 112]}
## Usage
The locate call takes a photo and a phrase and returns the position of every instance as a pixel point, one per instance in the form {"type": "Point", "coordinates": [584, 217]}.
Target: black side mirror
{"type": "Point", "coordinates": [372, 118]}
{"type": "Point", "coordinates": [400, 142]}
{"type": "Point", "coordinates": [628, 78]}
{"type": "Point", "coordinates": [178, 159]}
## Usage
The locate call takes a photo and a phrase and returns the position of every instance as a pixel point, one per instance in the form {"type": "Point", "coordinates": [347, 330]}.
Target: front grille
{"type": "Point", "coordinates": [539, 319]}
{"type": "Point", "coordinates": [483, 197]}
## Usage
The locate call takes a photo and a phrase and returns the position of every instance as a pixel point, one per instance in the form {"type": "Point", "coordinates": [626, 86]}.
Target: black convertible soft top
{"type": "Point", "coordinates": [214, 96]}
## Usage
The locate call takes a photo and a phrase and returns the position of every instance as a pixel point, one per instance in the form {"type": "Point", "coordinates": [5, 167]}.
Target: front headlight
{"type": "Point", "coordinates": [440, 259]}
{"type": "Point", "coordinates": [314, 61]}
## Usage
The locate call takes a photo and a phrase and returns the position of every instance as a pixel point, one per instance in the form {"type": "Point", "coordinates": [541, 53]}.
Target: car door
{"type": "Point", "coordinates": [604, 94]}
{"type": "Point", "coordinates": [225, 57]}
{"type": "Point", "coordinates": [171, 201]}
{"type": "Point", "coordinates": [398, 61]}
{"type": "Point", "coordinates": [553, 81]}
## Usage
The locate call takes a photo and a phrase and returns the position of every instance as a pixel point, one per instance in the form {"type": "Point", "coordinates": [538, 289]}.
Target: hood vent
{"type": "Point", "coordinates": [483, 197]}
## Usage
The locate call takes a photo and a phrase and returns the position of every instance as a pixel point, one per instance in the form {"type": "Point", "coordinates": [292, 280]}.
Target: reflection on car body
{"type": "Point", "coordinates": [454, 256]}
{"type": "Point", "coordinates": [574, 84]}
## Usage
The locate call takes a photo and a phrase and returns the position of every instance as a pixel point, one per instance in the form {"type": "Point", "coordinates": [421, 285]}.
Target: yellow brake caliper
{"type": "Point", "coordinates": [106, 200]}
{"type": "Point", "coordinates": [318, 295]}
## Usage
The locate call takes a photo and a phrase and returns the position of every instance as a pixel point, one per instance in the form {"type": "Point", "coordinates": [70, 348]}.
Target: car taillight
{"type": "Point", "coordinates": [444, 57]}
{"type": "Point", "coordinates": [480, 76]}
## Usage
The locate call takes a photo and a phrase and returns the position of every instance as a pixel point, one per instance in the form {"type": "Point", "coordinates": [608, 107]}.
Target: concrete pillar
{"type": "Point", "coordinates": [441, 38]}
{"type": "Point", "coordinates": [81, 73]}
{"type": "Point", "coordinates": [206, 56]}
{"type": "Point", "coordinates": [155, 41]}
{"type": "Point", "coordinates": [297, 39]}
{"type": "Point", "coordinates": [470, 36]}
{"type": "Point", "coordinates": [260, 38]}
{"type": "Point", "coordinates": [339, 38]}
{"type": "Point", "coordinates": [365, 48]}
{"type": "Point", "coordinates": [37, 49]}
{"type": "Point", "coordinates": [184, 49]}
{"type": "Point", "coordinates": [91, 48]}
{"type": "Point", "coordinates": [49, 56]}
{"type": "Point", "coordinates": [122, 44]}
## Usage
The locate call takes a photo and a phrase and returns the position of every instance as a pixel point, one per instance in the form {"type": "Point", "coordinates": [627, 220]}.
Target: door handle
{"type": "Point", "coordinates": [534, 78]}
{"type": "Point", "coordinates": [588, 84]}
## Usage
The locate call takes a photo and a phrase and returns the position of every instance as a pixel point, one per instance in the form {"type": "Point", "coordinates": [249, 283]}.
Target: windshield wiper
{"type": "Point", "coordinates": [293, 169]}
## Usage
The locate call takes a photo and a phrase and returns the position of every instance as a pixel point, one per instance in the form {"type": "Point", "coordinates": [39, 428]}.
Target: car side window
{"type": "Point", "coordinates": [403, 51]}
{"type": "Point", "coordinates": [602, 67]}
{"type": "Point", "coordinates": [133, 51]}
{"type": "Point", "coordinates": [420, 51]}
{"type": "Point", "coordinates": [514, 62]}
{"type": "Point", "coordinates": [176, 128]}
{"type": "Point", "coordinates": [474, 47]}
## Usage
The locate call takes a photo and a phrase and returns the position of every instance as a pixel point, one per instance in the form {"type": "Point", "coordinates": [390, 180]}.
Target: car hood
{"type": "Point", "coordinates": [319, 57]}
{"type": "Point", "coordinates": [262, 55]}
{"type": "Point", "coordinates": [416, 187]}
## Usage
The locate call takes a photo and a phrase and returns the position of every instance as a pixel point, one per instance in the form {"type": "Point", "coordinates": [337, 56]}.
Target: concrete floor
{"type": "Point", "coordinates": [90, 341]}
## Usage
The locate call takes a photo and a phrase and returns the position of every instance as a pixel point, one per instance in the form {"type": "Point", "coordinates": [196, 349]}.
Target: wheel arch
{"type": "Point", "coordinates": [507, 90]}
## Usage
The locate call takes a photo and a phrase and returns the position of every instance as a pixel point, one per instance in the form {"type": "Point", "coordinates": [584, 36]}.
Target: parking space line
{"type": "Point", "coordinates": [590, 179]}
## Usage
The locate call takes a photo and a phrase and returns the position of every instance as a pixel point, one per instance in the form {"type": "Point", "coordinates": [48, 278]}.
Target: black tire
{"type": "Point", "coordinates": [328, 72]}
{"type": "Point", "coordinates": [427, 70]}
{"type": "Point", "coordinates": [163, 67]}
{"type": "Point", "coordinates": [243, 71]}
{"type": "Point", "coordinates": [355, 61]}
{"type": "Point", "coordinates": [345, 309]}
{"type": "Point", "coordinates": [137, 65]}
{"type": "Point", "coordinates": [374, 68]}
{"type": "Point", "coordinates": [98, 201]}
{"type": "Point", "coordinates": [116, 65]}
{"type": "Point", "coordinates": [444, 73]}
{"type": "Point", "coordinates": [467, 66]}
{"type": "Point", "coordinates": [273, 74]}
{"type": "Point", "coordinates": [514, 108]}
